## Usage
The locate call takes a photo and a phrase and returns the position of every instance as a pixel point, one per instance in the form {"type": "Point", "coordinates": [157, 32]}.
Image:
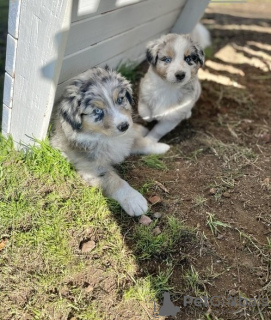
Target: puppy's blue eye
{"type": "Point", "coordinates": [98, 114]}
{"type": "Point", "coordinates": [188, 59]}
{"type": "Point", "coordinates": [166, 59]}
{"type": "Point", "coordinates": [120, 100]}
{"type": "Point", "coordinates": [98, 111]}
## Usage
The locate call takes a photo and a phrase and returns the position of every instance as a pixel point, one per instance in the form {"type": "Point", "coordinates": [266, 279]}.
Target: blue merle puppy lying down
{"type": "Point", "coordinates": [94, 129]}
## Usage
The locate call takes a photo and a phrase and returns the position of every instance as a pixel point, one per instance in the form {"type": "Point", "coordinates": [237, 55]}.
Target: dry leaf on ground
{"type": "Point", "coordinates": [3, 244]}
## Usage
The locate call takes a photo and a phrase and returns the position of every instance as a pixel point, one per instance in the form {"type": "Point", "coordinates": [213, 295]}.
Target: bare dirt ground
{"type": "Point", "coordinates": [219, 171]}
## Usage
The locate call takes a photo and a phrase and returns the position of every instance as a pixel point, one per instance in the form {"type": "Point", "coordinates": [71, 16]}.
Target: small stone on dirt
{"type": "Point", "coordinates": [154, 199]}
{"type": "Point", "coordinates": [157, 215]}
{"type": "Point", "coordinates": [266, 137]}
{"type": "Point", "coordinates": [233, 292]}
{"type": "Point", "coordinates": [212, 191]}
{"type": "Point", "coordinates": [226, 195]}
{"type": "Point", "coordinates": [220, 236]}
{"type": "Point", "coordinates": [88, 246]}
{"type": "Point", "coordinates": [262, 282]}
{"type": "Point", "coordinates": [145, 220]}
{"type": "Point", "coordinates": [266, 182]}
{"type": "Point", "coordinates": [156, 231]}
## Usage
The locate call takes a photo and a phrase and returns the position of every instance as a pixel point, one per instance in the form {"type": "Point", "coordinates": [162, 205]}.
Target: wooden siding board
{"type": "Point", "coordinates": [81, 61]}
{"type": "Point", "coordinates": [90, 31]}
{"type": "Point", "coordinates": [40, 52]}
{"type": "Point", "coordinates": [86, 9]}
{"type": "Point", "coordinates": [134, 54]}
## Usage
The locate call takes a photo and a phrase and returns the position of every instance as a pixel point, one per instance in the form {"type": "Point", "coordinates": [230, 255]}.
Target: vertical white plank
{"type": "Point", "coordinates": [190, 15]}
{"type": "Point", "coordinates": [13, 17]}
{"type": "Point", "coordinates": [11, 55]}
{"type": "Point", "coordinates": [43, 32]}
{"type": "Point", "coordinates": [6, 119]}
{"type": "Point", "coordinates": [8, 89]}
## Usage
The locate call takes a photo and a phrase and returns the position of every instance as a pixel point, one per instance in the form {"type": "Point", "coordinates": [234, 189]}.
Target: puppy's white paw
{"type": "Point", "coordinates": [131, 200]}
{"type": "Point", "coordinates": [160, 148]}
{"type": "Point", "coordinates": [153, 147]}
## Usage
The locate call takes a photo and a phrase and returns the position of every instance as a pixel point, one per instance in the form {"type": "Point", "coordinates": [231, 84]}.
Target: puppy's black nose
{"type": "Point", "coordinates": [123, 126]}
{"type": "Point", "coordinates": [180, 75]}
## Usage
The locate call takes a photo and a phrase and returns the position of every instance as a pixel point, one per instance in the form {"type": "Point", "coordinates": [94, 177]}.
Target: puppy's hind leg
{"type": "Point", "coordinates": [118, 189]}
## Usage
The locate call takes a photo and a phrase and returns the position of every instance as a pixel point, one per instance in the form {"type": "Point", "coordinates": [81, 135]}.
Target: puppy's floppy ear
{"type": "Point", "coordinates": [124, 83]}
{"type": "Point", "coordinates": [70, 104]}
{"type": "Point", "coordinates": [152, 51]}
{"type": "Point", "coordinates": [129, 92]}
{"type": "Point", "coordinates": [129, 96]}
{"type": "Point", "coordinates": [199, 54]}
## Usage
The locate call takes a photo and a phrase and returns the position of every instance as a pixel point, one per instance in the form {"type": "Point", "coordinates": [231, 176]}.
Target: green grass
{"type": "Point", "coordinates": [214, 224]}
{"type": "Point", "coordinates": [129, 70]}
{"type": "Point", "coordinates": [154, 161]}
{"type": "Point", "coordinates": [147, 245]}
{"type": "Point", "coordinates": [150, 287]}
{"type": "Point", "coordinates": [194, 283]}
{"type": "Point", "coordinates": [46, 212]}
{"type": "Point", "coordinates": [209, 53]}
{"type": "Point", "coordinates": [199, 201]}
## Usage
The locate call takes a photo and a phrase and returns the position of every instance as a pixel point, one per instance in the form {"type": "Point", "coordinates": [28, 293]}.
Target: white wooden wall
{"type": "Point", "coordinates": [115, 34]}
{"type": "Point", "coordinates": [58, 40]}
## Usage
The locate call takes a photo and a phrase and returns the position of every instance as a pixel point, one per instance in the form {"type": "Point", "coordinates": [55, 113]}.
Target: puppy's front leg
{"type": "Point", "coordinates": [144, 145]}
{"type": "Point", "coordinates": [162, 128]}
{"type": "Point", "coordinates": [118, 189]}
{"type": "Point", "coordinates": [144, 111]}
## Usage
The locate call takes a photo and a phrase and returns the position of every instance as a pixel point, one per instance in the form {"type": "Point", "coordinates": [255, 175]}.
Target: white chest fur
{"type": "Point", "coordinates": [168, 100]}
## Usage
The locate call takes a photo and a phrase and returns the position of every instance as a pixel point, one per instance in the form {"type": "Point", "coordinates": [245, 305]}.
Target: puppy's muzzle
{"type": "Point", "coordinates": [180, 76]}
{"type": "Point", "coordinates": [123, 126]}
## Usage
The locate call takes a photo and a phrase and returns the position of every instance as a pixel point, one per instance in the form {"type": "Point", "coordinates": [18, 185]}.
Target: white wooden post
{"type": "Point", "coordinates": [38, 32]}
{"type": "Point", "coordinates": [190, 15]}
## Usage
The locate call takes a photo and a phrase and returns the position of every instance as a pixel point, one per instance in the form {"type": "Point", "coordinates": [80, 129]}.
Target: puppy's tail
{"type": "Point", "coordinates": [201, 35]}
